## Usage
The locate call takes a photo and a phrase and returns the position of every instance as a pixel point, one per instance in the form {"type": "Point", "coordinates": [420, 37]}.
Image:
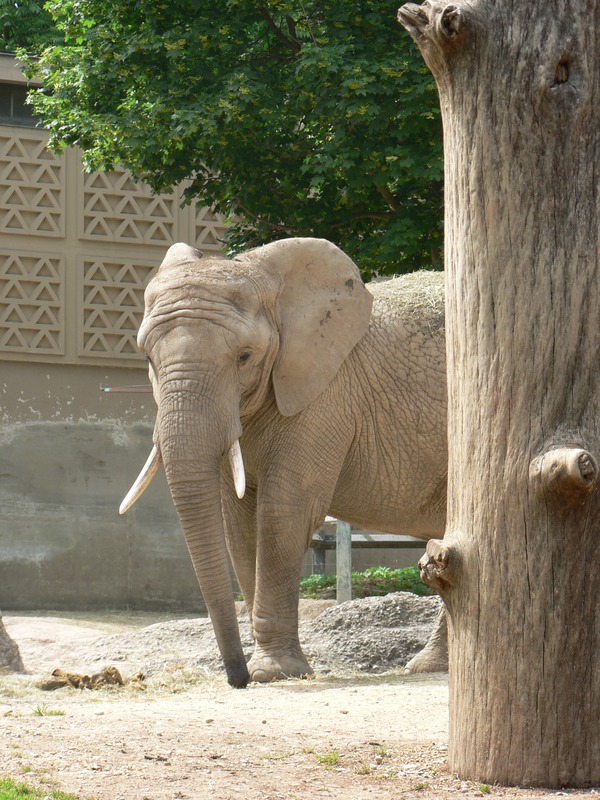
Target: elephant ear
{"type": "Point", "coordinates": [323, 310]}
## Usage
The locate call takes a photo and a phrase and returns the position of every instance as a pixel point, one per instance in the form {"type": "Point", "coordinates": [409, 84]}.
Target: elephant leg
{"type": "Point", "coordinates": [240, 533]}
{"type": "Point", "coordinates": [281, 548]}
{"type": "Point", "coordinates": [434, 656]}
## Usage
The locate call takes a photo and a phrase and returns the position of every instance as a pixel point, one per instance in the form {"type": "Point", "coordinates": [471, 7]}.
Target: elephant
{"type": "Point", "coordinates": [286, 390]}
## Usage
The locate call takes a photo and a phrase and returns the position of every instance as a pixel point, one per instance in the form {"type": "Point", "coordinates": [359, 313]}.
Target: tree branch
{"type": "Point", "coordinates": [291, 23]}
{"type": "Point", "coordinates": [274, 225]}
{"type": "Point", "coordinates": [292, 44]}
{"type": "Point", "coordinates": [388, 197]}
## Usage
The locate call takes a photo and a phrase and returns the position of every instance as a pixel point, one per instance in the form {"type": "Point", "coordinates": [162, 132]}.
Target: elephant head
{"type": "Point", "coordinates": [220, 336]}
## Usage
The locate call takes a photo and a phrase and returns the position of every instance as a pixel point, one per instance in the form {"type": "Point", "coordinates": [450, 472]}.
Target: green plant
{"type": "Point", "coordinates": [328, 759]}
{"type": "Point", "coordinates": [12, 790]}
{"type": "Point", "coordinates": [485, 788]}
{"type": "Point", "coordinates": [315, 587]}
{"type": "Point", "coordinates": [27, 24]}
{"type": "Point", "coordinates": [44, 711]}
{"type": "Point", "coordinates": [375, 581]}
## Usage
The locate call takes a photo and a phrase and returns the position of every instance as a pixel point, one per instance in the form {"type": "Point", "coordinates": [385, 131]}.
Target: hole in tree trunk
{"type": "Point", "coordinates": [451, 21]}
{"type": "Point", "coordinates": [562, 71]}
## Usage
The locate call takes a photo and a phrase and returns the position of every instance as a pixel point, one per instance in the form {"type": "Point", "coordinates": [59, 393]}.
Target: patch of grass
{"type": "Point", "coordinates": [328, 759]}
{"type": "Point", "coordinates": [12, 790]}
{"type": "Point", "coordinates": [373, 582]}
{"type": "Point", "coordinates": [420, 786]}
{"type": "Point", "coordinates": [485, 788]}
{"type": "Point", "coordinates": [17, 686]}
{"type": "Point", "coordinates": [44, 711]}
{"type": "Point", "coordinates": [363, 769]}
{"type": "Point", "coordinates": [275, 756]}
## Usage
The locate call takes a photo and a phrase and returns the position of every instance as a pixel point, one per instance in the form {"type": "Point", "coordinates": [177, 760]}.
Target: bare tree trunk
{"type": "Point", "coordinates": [519, 86]}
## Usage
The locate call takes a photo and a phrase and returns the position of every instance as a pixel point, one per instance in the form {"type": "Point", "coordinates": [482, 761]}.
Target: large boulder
{"type": "Point", "coordinates": [10, 657]}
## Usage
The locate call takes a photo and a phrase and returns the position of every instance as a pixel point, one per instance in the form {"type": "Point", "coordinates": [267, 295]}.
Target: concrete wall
{"type": "Point", "coordinates": [63, 474]}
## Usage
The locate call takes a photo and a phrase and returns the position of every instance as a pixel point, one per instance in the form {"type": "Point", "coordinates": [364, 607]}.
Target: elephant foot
{"type": "Point", "coordinates": [434, 656]}
{"type": "Point", "coordinates": [265, 667]}
{"type": "Point", "coordinates": [430, 659]}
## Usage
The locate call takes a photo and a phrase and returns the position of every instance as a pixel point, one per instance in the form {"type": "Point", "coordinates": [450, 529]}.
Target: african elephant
{"type": "Point", "coordinates": [325, 397]}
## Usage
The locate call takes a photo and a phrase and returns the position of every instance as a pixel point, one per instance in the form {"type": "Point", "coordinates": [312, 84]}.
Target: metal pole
{"type": "Point", "coordinates": [141, 389]}
{"type": "Point", "coordinates": [318, 554]}
{"type": "Point", "coordinates": [343, 560]}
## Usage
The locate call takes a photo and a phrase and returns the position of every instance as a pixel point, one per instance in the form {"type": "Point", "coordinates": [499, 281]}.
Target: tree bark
{"type": "Point", "coordinates": [519, 86]}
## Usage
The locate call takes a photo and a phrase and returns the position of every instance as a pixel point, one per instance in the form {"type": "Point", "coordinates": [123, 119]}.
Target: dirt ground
{"type": "Point", "coordinates": [359, 729]}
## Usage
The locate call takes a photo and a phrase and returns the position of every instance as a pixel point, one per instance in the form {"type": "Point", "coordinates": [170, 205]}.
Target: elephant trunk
{"type": "Point", "coordinates": [192, 446]}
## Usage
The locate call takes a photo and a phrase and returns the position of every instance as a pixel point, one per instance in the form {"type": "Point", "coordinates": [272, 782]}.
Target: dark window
{"type": "Point", "coordinates": [13, 108]}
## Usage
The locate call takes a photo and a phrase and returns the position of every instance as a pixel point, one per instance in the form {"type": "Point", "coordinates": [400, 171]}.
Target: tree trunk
{"type": "Point", "coordinates": [519, 86]}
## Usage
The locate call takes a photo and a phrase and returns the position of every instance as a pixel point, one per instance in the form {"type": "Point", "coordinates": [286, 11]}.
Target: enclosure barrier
{"type": "Point", "coordinates": [342, 541]}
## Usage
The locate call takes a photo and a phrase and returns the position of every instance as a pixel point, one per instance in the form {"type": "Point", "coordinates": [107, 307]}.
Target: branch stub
{"type": "Point", "coordinates": [438, 566]}
{"type": "Point", "coordinates": [567, 473]}
{"type": "Point", "coordinates": [436, 27]}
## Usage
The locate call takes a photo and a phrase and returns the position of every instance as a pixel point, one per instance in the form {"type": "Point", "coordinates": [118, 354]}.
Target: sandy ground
{"type": "Point", "coordinates": [343, 734]}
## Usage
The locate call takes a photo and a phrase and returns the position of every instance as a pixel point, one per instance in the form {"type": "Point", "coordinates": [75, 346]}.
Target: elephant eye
{"type": "Point", "coordinates": [244, 356]}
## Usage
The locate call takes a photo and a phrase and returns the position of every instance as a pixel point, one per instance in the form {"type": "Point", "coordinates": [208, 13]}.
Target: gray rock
{"type": "Point", "coordinates": [10, 657]}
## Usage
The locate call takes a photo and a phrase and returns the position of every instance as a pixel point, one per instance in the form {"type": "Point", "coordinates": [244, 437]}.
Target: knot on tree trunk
{"type": "Point", "coordinates": [439, 566]}
{"type": "Point", "coordinates": [568, 474]}
{"type": "Point", "coordinates": [441, 24]}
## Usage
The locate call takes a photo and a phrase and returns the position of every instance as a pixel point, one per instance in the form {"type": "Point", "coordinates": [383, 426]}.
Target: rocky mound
{"type": "Point", "coordinates": [372, 634]}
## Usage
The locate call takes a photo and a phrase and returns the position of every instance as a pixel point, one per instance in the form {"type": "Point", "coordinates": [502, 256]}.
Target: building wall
{"type": "Point", "coordinates": [77, 251]}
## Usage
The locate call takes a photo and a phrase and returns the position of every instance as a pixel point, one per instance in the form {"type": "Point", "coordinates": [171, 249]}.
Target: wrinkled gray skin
{"type": "Point", "coordinates": [338, 396]}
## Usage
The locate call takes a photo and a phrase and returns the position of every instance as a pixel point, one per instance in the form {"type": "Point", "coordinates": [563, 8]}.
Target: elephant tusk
{"type": "Point", "coordinates": [143, 480]}
{"type": "Point", "coordinates": [237, 468]}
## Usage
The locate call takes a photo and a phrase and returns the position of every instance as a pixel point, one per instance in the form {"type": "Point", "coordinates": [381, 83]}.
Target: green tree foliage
{"type": "Point", "coordinates": [26, 24]}
{"type": "Point", "coordinates": [302, 117]}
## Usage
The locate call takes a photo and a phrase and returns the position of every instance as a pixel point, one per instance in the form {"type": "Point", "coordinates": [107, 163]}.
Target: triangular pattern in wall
{"type": "Point", "coordinates": [77, 250]}
{"type": "Point", "coordinates": [112, 307]}
{"type": "Point", "coordinates": [209, 230]}
{"type": "Point", "coordinates": [32, 304]}
{"type": "Point", "coordinates": [31, 186]}
{"type": "Point", "coordinates": [116, 209]}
